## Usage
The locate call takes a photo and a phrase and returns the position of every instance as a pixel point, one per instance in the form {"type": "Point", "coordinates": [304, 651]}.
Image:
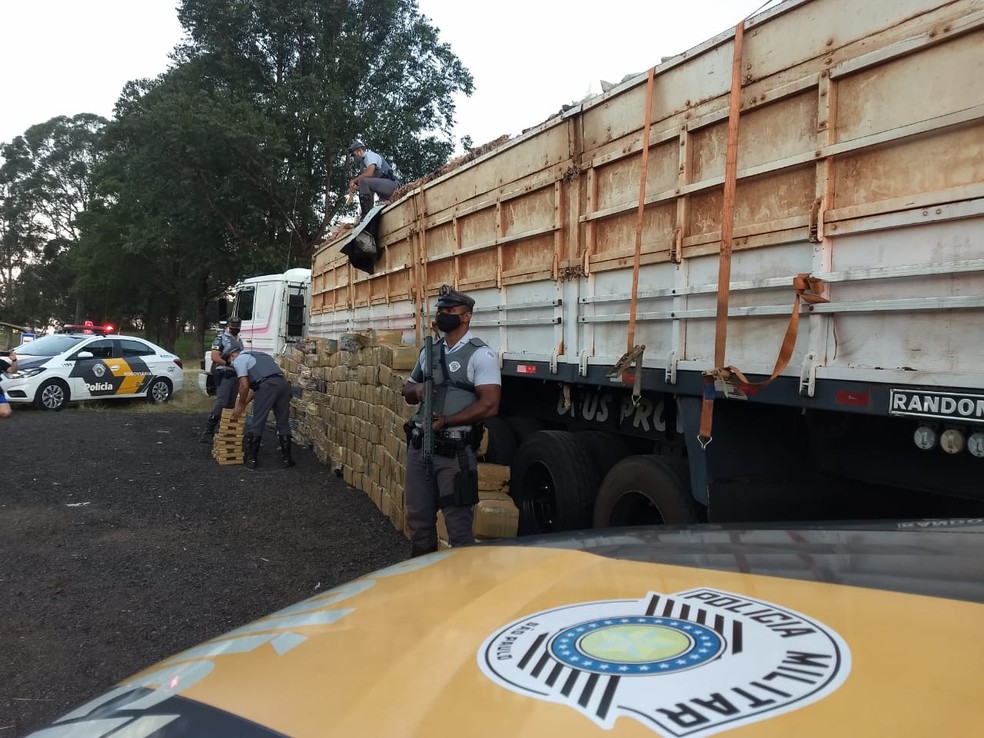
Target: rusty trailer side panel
{"type": "Point", "coordinates": [860, 161]}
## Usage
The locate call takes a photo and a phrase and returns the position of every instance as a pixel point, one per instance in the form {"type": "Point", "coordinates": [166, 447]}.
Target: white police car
{"type": "Point", "coordinates": [87, 363]}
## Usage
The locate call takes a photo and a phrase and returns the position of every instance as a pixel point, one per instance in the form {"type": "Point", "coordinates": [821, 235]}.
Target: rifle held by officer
{"type": "Point", "coordinates": [427, 416]}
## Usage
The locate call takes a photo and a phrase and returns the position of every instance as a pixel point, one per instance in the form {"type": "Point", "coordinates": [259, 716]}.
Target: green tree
{"type": "Point", "coordinates": [321, 72]}
{"type": "Point", "coordinates": [45, 186]}
{"type": "Point", "coordinates": [20, 243]}
{"type": "Point", "coordinates": [183, 214]}
{"type": "Point", "coordinates": [234, 162]}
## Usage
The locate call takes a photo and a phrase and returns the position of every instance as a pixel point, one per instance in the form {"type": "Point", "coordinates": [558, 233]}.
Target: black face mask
{"type": "Point", "coordinates": [447, 322]}
{"type": "Point", "coordinates": [234, 331]}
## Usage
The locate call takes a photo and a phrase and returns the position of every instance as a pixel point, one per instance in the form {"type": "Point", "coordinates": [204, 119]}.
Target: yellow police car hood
{"type": "Point", "coordinates": [653, 632]}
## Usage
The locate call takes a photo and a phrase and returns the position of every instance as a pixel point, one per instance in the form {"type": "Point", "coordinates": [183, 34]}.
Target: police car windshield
{"type": "Point", "coordinates": [50, 345]}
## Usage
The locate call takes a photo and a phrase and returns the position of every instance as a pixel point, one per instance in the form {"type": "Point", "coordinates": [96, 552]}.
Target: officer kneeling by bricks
{"type": "Point", "coordinates": [467, 388]}
{"type": "Point", "coordinates": [260, 377]}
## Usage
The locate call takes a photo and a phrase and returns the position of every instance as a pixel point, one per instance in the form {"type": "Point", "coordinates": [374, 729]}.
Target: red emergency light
{"type": "Point", "coordinates": [90, 328]}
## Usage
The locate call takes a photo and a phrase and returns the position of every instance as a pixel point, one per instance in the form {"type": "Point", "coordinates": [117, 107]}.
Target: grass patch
{"type": "Point", "coordinates": [189, 400]}
{"type": "Point", "coordinates": [185, 347]}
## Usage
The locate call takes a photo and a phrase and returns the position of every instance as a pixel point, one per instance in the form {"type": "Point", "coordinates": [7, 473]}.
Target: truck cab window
{"type": "Point", "coordinates": [243, 304]}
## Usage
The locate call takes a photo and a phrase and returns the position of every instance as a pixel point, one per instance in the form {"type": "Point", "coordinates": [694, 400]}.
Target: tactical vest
{"type": "Point", "coordinates": [386, 171]}
{"type": "Point", "coordinates": [452, 390]}
{"type": "Point", "coordinates": [383, 170]}
{"type": "Point", "coordinates": [264, 367]}
{"type": "Point", "coordinates": [229, 343]}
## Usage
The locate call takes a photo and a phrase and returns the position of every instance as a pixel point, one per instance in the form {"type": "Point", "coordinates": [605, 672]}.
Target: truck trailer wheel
{"type": "Point", "coordinates": [603, 448]}
{"type": "Point", "coordinates": [499, 444]}
{"type": "Point", "coordinates": [523, 427]}
{"type": "Point", "coordinates": [553, 483]}
{"type": "Point", "coordinates": [646, 490]}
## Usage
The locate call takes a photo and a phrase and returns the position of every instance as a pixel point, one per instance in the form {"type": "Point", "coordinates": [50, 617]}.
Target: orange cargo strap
{"type": "Point", "coordinates": [643, 176]}
{"type": "Point", "coordinates": [807, 289]}
{"type": "Point", "coordinates": [727, 234]}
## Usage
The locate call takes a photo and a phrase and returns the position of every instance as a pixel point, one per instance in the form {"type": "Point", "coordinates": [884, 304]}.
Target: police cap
{"type": "Point", "coordinates": [448, 297]}
{"type": "Point", "coordinates": [235, 320]}
{"type": "Point", "coordinates": [356, 144]}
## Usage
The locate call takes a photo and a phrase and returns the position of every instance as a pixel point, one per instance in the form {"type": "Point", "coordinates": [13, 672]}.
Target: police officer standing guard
{"type": "Point", "coordinates": [467, 389]}
{"type": "Point", "coordinates": [223, 374]}
{"type": "Point", "coordinates": [259, 374]}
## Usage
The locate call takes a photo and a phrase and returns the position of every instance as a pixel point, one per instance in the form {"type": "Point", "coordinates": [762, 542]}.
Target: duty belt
{"type": "Point", "coordinates": [454, 435]}
{"type": "Point", "coordinates": [258, 382]}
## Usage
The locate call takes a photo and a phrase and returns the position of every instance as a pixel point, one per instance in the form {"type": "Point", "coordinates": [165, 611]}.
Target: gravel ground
{"type": "Point", "coordinates": [122, 541]}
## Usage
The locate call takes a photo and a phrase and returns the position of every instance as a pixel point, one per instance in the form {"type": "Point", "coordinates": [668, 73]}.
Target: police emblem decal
{"type": "Point", "coordinates": [689, 664]}
{"type": "Point", "coordinates": [454, 366]}
{"type": "Point", "coordinates": [98, 370]}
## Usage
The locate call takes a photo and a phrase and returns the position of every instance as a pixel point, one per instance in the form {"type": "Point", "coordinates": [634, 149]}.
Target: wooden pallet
{"type": "Point", "coordinates": [227, 445]}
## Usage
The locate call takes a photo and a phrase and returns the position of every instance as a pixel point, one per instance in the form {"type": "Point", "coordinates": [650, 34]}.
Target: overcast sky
{"type": "Point", "coordinates": [528, 57]}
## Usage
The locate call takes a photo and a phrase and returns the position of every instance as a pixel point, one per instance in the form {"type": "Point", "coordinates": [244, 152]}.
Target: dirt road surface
{"type": "Point", "coordinates": [122, 541]}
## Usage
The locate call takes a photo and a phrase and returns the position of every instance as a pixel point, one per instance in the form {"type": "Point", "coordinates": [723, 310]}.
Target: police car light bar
{"type": "Point", "coordinates": [89, 327]}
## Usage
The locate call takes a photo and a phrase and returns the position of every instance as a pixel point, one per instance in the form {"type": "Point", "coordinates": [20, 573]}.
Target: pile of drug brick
{"type": "Point", "coordinates": [349, 408]}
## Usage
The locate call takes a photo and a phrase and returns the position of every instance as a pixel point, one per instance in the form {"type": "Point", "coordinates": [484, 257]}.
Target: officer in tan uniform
{"type": "Point", "coordinates": [467, 389]}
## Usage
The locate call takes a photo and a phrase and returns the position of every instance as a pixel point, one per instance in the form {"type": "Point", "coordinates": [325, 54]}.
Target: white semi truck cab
{"type": "Point", "coordinates": [274, 309]}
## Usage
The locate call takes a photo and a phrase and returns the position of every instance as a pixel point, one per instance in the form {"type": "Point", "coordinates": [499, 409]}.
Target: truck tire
{"type": "Point", "coordinates": [553, 483]}
{"type": "Point", "coordinates": [499, 446]}
{"type": "Point", "coordinates": [603, 448]}
{"type": "Point", "coordinates": [646, 490]}
{"type": "Point", "coordinates": [523, 427]}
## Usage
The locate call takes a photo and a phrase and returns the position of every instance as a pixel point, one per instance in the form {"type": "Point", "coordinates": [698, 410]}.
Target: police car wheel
{"type": "Point", "coordinates": [52, 395]}
{"type": "Point", "coordinates": [159, 391]}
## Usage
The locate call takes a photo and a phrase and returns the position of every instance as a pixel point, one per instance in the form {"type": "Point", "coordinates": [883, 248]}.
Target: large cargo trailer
{"type": "Point", "coordinates": [800, 199]}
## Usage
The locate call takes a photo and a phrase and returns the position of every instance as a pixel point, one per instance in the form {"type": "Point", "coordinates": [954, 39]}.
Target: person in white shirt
{"type": "Point", "coordinates": [377, 177]}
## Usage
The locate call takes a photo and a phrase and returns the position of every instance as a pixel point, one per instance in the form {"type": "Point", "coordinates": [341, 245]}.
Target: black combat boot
{"type": "Point", "coordinates": [285, 451]}
{"type": "Point", "coordinates": [365, 204]}
{"type": "Point", "coordinates": [251, 449]}
{"type": "Point", "coordinates": [210, 426]}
